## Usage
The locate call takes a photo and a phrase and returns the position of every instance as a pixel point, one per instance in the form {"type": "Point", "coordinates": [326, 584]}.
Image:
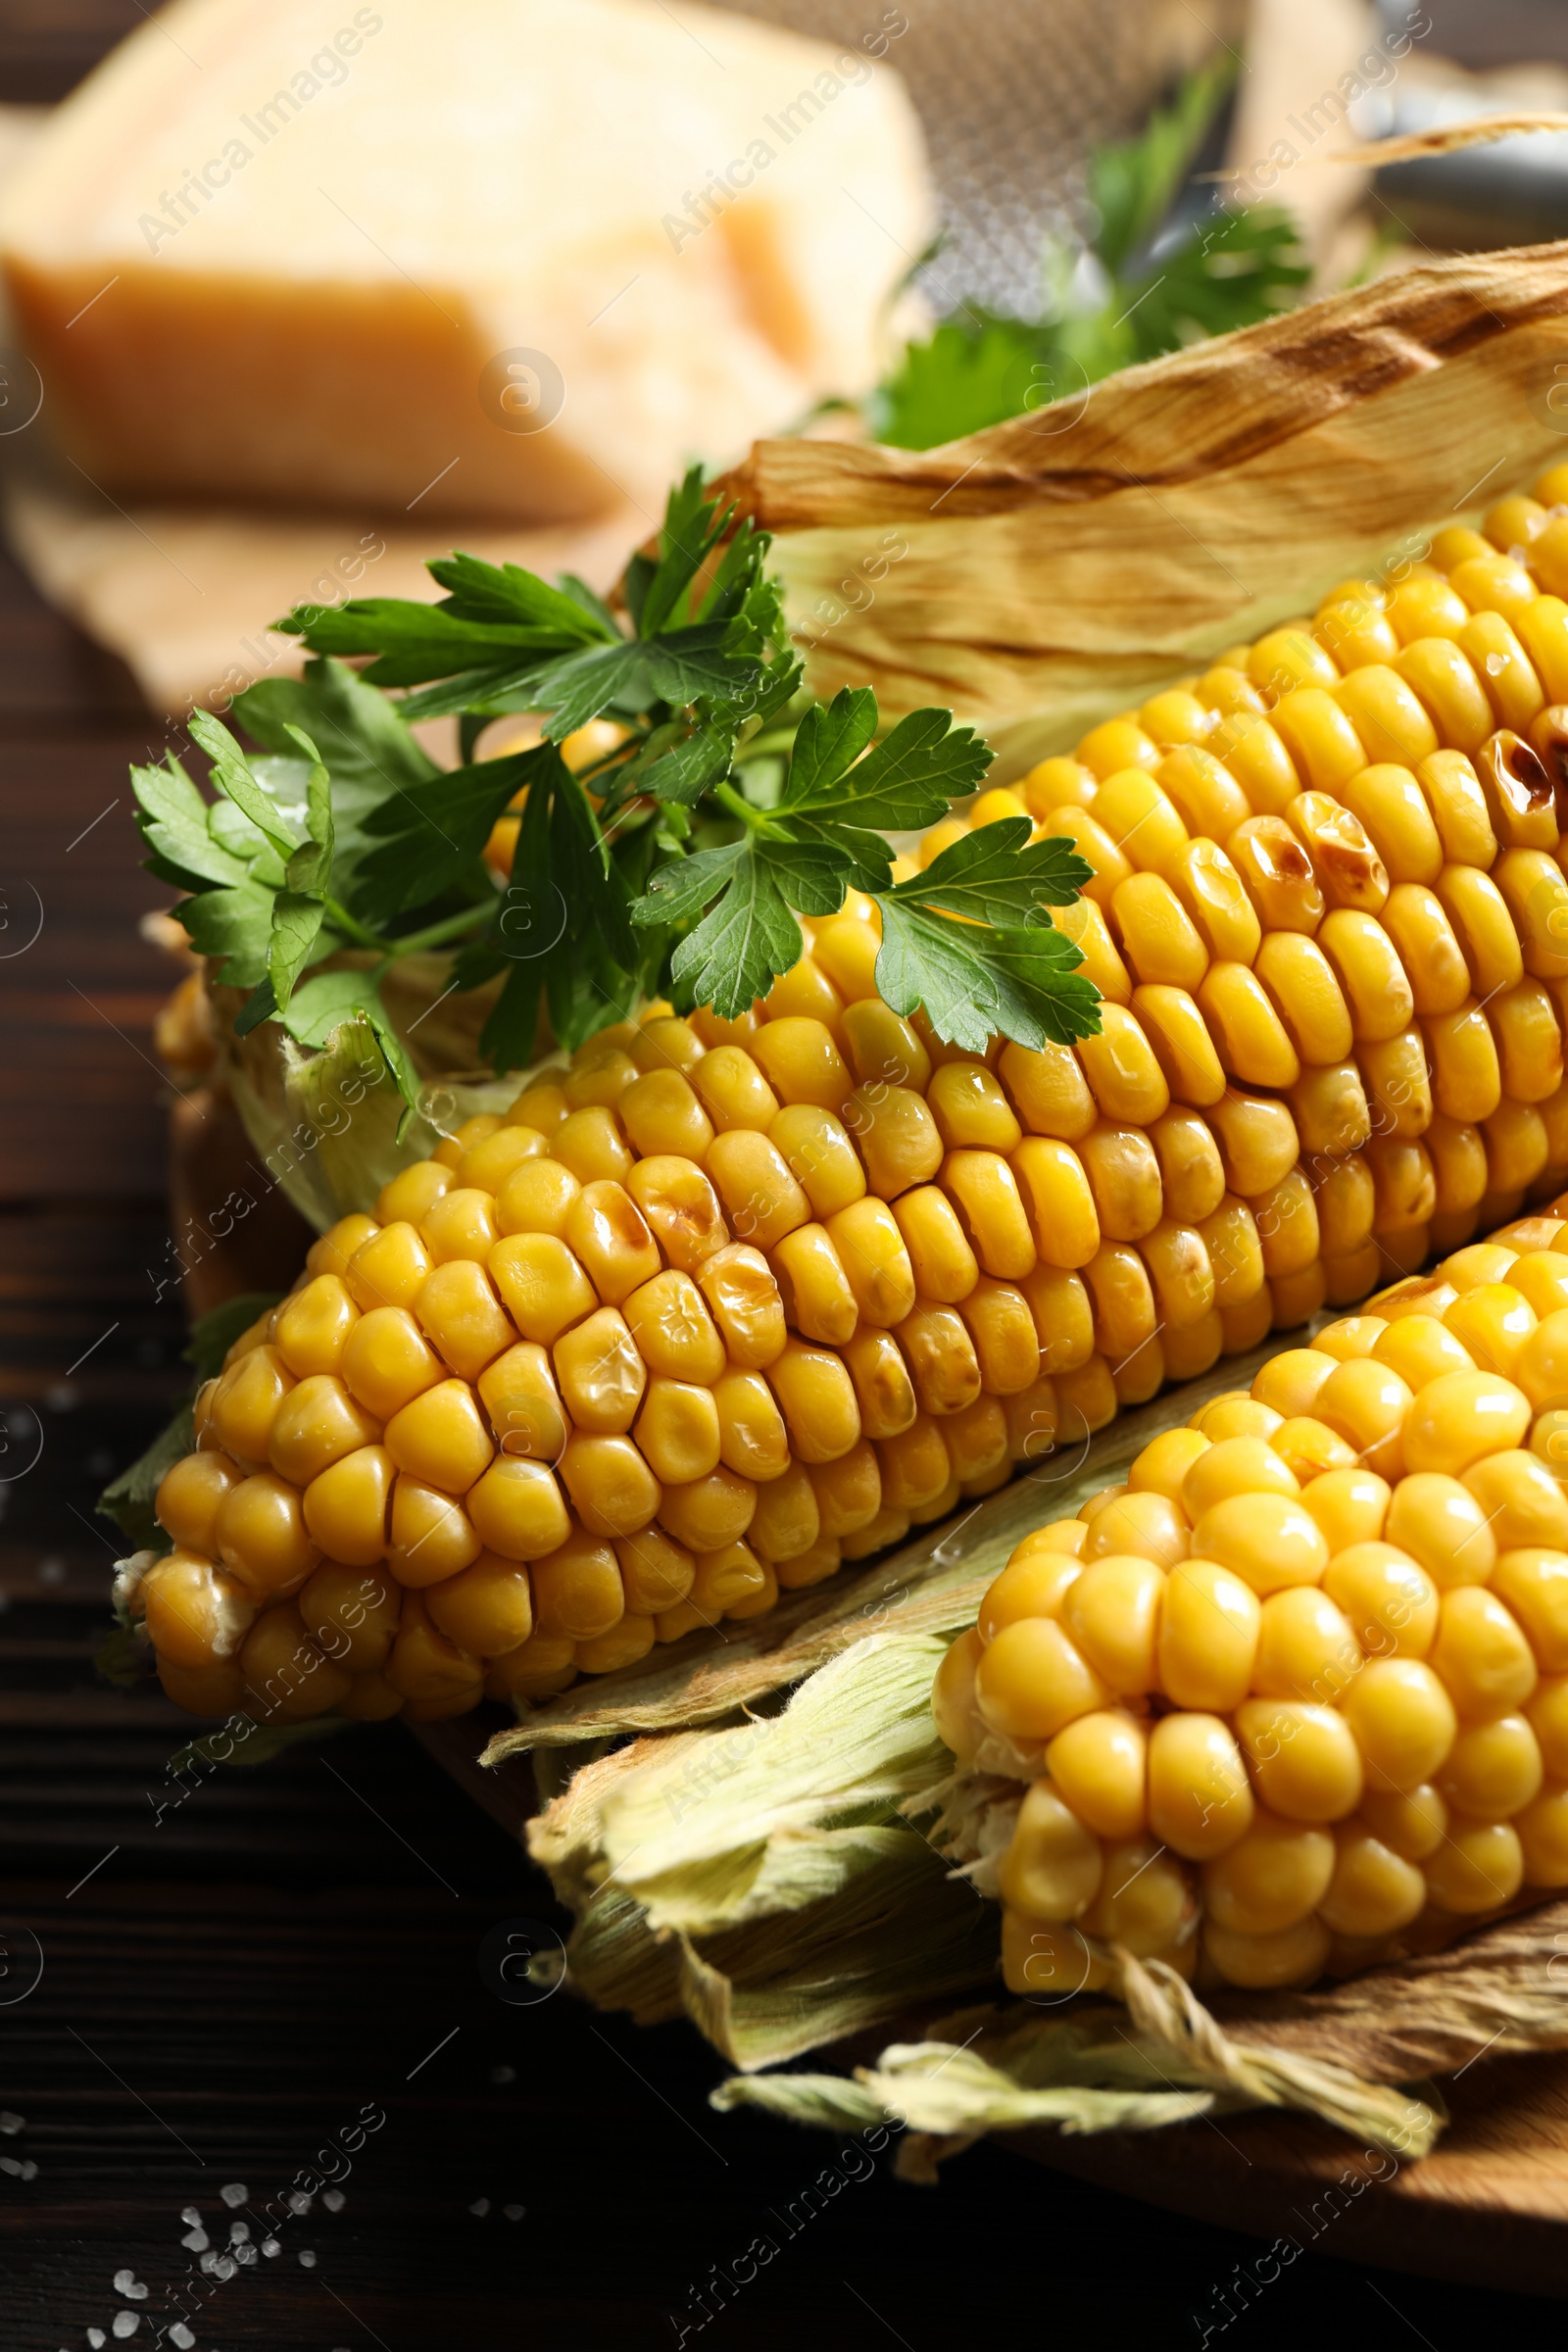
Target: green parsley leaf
{"type": "Point", "coordinates": [739, 950]}
{"type": "Point", "coordinates": [975, 983]}
{"type": "Point", "coordinates": [231, 773]}
{"type": "Point", "coordinates": [908, 780]}
{"type": "Point", "coordinates": [321, 1004]}
{"type": "Point", "coordinates": [235, 927]}
{"type": "Point", "coordinates": [993, 877]}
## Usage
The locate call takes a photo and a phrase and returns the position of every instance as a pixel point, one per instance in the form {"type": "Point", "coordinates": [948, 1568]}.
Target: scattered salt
{"type": "Point", "coordinates": [235, 2193]}
{"type": "Point", "coordinates": [96, 2337]}
{"type": "Point", "coordinates": [270, 2247]}
{"type": "Point", "coordinates": [11, 2123]}
{"type": "Point", "coordinates": [127, 2283]}
{"type": "Point", "coordinates": [333, 2199]}
{"type": "Point", "coordinates": [196, 2240]}
{"type": "Point", "coordinates": [180, 2335]}
{"type": "Point", "coordinates": [192, 2216]}
{"type": "Point", "coordinates": [514, 2213]}
{"type": "Point", "coordinates": [480, 2205]}
{"type": "Point", "coordinates": [297, 2201]}
{"type": "Point", "coordinates": [307, 2259]}
{"type": "Point", "coordinates": [238, 2232]}
{"type": "Point", "coordinates": [126, 2323]}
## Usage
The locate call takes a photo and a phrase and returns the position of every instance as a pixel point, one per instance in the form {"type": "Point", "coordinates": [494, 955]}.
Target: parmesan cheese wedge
{"type": "Point", "coordinates": [510, 258]}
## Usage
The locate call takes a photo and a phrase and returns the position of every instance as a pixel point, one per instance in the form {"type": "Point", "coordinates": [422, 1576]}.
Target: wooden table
{"type": "Point", "coordinates": [234, 1983]}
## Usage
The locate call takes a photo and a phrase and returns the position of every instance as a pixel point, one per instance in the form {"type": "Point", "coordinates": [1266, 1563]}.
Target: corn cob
{"type": "Point", "coordinates": [738, 1301]}
{"type": "Point", "coordinates": [1295, 1697]}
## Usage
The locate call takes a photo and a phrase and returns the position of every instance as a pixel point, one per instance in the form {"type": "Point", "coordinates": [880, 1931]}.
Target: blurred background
{"type": "Point", "coordinates": [218, 396]}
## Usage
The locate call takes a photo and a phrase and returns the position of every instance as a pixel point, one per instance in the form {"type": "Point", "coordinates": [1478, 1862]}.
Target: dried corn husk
{"type": "Point", "coordinates": [1051, 569]}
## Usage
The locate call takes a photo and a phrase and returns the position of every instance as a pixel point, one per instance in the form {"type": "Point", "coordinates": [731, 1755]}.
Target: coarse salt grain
{"type": "Point", "coordinates": [333, 2199]}
{"type": "Point", "coordinates": [235, 2193]}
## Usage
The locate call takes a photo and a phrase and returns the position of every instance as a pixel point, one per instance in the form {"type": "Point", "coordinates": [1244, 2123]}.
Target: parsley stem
{"type": "Point", "coordinates": [342, 920]}
{"type": "Point", "coordinates": [738, 806]}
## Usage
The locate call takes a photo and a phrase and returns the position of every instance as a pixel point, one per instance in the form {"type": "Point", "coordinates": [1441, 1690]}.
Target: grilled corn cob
{"type": "Point", "coordinates": [724, 1304]}
{"type": "Point", "coordinates": [1294, 1699]}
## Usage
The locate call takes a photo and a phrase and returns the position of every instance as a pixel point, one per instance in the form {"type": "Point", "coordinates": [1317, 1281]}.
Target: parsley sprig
{"type": "Point", "coordinates": [675, 857]}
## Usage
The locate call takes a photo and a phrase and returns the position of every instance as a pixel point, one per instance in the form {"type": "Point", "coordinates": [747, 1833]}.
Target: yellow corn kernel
{"type": "Point", "coordinates": [916, 1467]}
{"type": "Point", "coordinates": [330, 1254]}
{"type": "Point", "coordinates": [1096, 1764]}
{"type": "Point", "coordinates": [760, 1196]}
{"type": "Point", "coordinates": [1200, 1802]}
{"type": "Point", "coordinates": [389, 1269]}
{"type": "Point", "coordinates": [662, 1114]}
{"type": "Point", "coordinates": [1403, 1721]}
{"type": "Point", "coordinates": [801, 1063]}
{"type": "Point", "coordinates": [1427, 948]}
{"type": "Point", "coordinates": [1059, 1197]}
{"type": "Point", "coordinates": [577, 1591]}
{"type": "Point", "coordinates": [1270, 1880]}
{"type": "Point", "coordinates": [1531, 1581]}
{"type": "Point", "coordinates": [599, 1074]}
{"type": "Point", "coordinates": [1181, 1047]}
{"type": "Point", "coordinates": [883, 1049]}
{"type": "Point", "coordinates": [1306, 1649]}
{"type": "Point", "coordinates": [536, 1668]}
{"type": "Point", "coordinates": [590, 1145]}
{"type": "Point", "coordinates": [524, 1406]}
{"type": "Point", "coordinates": [430, 1536]}
{"type": "Point", "coordinates": [440, 1439]}
{"type": "Point", "coordinates": [679, 1206]}
{"type": "Point", "coordinates": [1123, 1301]}
{"type": "Point", "coordinates": [786, 1522]}
{"type": "Point", "coordinates": [1303, 1758]}
{"type": "Point", "coordinates": [1215, 903]}
{"type": "Point", "coordinates": [1515, 1137]}
{"type": "Point", "coordinates": [632, 1638]}
{"type": "Point", "coordinates": [883, 1388]}
{"type": "Point", "coordinates": [352, 1615]}
{"type": "Point", "coordinates": [1032, 1682]}
{"type": "Point", "coordinates": [1478, 1867]}
{"type": "Point", "coordinates": [822, 1560]}
{"type": "Point", "coordinates": [246, 1400]}
{"type": "Point", "coordinates": [463, 1317]}
{"type": "Point", "coordinates": [411, 1196]}
{"type": "Point", "coordinates": [1049, 1090]}
{"type": "Point", "coordinates": [743, 1298]}
{"type": "Point", "coordinates": [970, 1110]}
{"type": "Point", "coordinates": [1319, 737]}
{"type": "Point", "coordinates": [386, 1361]}
{"type": "Point", "coordinates": [656, 1574]}
{"type": "Point", "coordinates": [1158, 937]}
{"type": "Point", "coordinates": [678, 1432]}
{"type": "Point", "coordinates": [817, 1299]}
{"type": "Point", "coordinates": [804, 993]}
{"type": "Point", "coordinates": [815, 1146]}
{"type": "Point", "coordinates": [542, 1285]}
{"type": "Point", "coordinates": [1529, 1045]}
{"type": "Point", "coordinates": [896, 1136]}
{"type": "Point", "coordinates": [601, 1373]}
{"type": "Point", "coordinates": [1083, 923]}
{"type": "Point", "coordinates": [816, 1398]}
{"type": "Point", "coordinates": [1481, 1655]}
{"type": "Point", "coordinates": [1543, 1833]}
{"type": "Point", "coordinates": [1123, 1178]}
{"type": "Point", "coordinates": [941, 1359]}
{"type": "Point", "coordinates": [286, 1676]}
{"type": "Point", "coordinates": [1386, 715]}
{"type": "Point", "coordinates": [537, 1198]}
{"type": "Point", "coordinates": [984, 1192]}
{"type": "Point", "coordinates": [542, 1104]}
{"type": "Point", "coordinates": [847, 950]}
{"type": "Point", "coordinates": [849, 1491]}
{"type": "Point", "coordinates": [1374, 1891]}
{"type": "Point", "coordinates": [1493, 1770]}
{"type": "Point", "coordinates": [943, 1263]}
{"type": "Point", "coordinates": [191, 1492]}
{"type": "Point", "coordinates": [1466, 1082]}
{"type": "Point", "coordinates": [606, 1231]}
{"type": "Point", "coordinates": [518, 1511]}
{"type": "Point", "coordinates": [869, 1246]}
{"type": "Point", "coordinates": [1370, 974]}
{"type": "Point", "coordinates": [1500, 662]}
{"type": "Point", "coordinates": [1492, 1321]}
{"type": "Point", "coordinates": [998, 1320]}
{"type": "Point", "coordinates": [1425, 607]}
{"type": "Point", "coordinates": [612, 1491]}
{"type": "Point", "coordinates": [1287, 658]}
{"type": "Point", "coordinates": [1118, 742]}
{"type": "Point", "coordinates": [1063, 1316]}
{"type": "Point", "coordinates": [196, 1613]}
{"type": "Point", "coordinates": [1411, 1822]}
{"type": "Point", "coordinates": [262, 1536]}
{"type": "Point", "coordinates": [707, 1513]}
{"type": "Point", "coordinates": [314, 1326]}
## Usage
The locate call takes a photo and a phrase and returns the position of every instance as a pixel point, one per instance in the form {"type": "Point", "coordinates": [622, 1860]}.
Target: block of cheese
{"type": "Point", "coordinates": [515, 259]}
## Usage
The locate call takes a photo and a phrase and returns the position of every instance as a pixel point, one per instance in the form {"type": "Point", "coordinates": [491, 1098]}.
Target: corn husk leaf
{"type": "Point", "coordinates": [1067, 563]}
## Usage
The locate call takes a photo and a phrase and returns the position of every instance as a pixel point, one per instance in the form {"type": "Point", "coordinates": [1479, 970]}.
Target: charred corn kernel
{"type": "Point", "coordinates": [1180, 1045]}
{"type": "Point", "coordinates": [1521, 800]}
{"type": "Point", "coordinates": [192, 1491]}
{"type": "Point", "coordinates": [941, 1359]}
{"type": "Point", "coordinates": [352, 1615]}
{"type": "Point", "coordinates": [286, 1676]}
{"type": "Point", "coordinates": [817, 1296]}
{"type": "Point", "coordinates": [314, 1326]}
{"type": "Point", "coordinates": [577, 1591]}
{"type": "Point", "coordinates": [612, 1491]}
{"type": "Point", "coordinates": [738, 1286]}
{"type": "Point", "coordinates": [815, 1146]}
{"type": "Point", "coordinates": [1478, 1867]}
{"type": "Point", "coordinates": [849, 1491]}
{"type": "Point", "coordinates": [655, 1573]}
{"type": "Point", "coordinates": [389, 1269]}
{"type": "Point", "coordinates": [1276, 874]}
{"type": "Point", "coordinates": [537, 1198]}
{"type": "Point", "coordinates": [590, 1145]}
{"type": "Point", "coordinates": [463, 1317]}
{"type": "Point", "coordinates": [660, 1114]}
{"type": "Point", "coordinates": [542, 1285]}
{"type": "Point", "coordinates": [787, 1520]}
{"type": "Point", "coordinates": [802, 1064]}
{"type": "Point", "coordinates": [895, 1137]}
{"type": "Point", "coordinates": [943, 1263]}
{"type": "Point", "coordinates": [612, 1242]}
{"type": "Point", "coordinates": [678, 1432]}
{"type": "Point", "coordinates": [262, 1536]}
{"type": "Point", "coordinates": [246, 1400]}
